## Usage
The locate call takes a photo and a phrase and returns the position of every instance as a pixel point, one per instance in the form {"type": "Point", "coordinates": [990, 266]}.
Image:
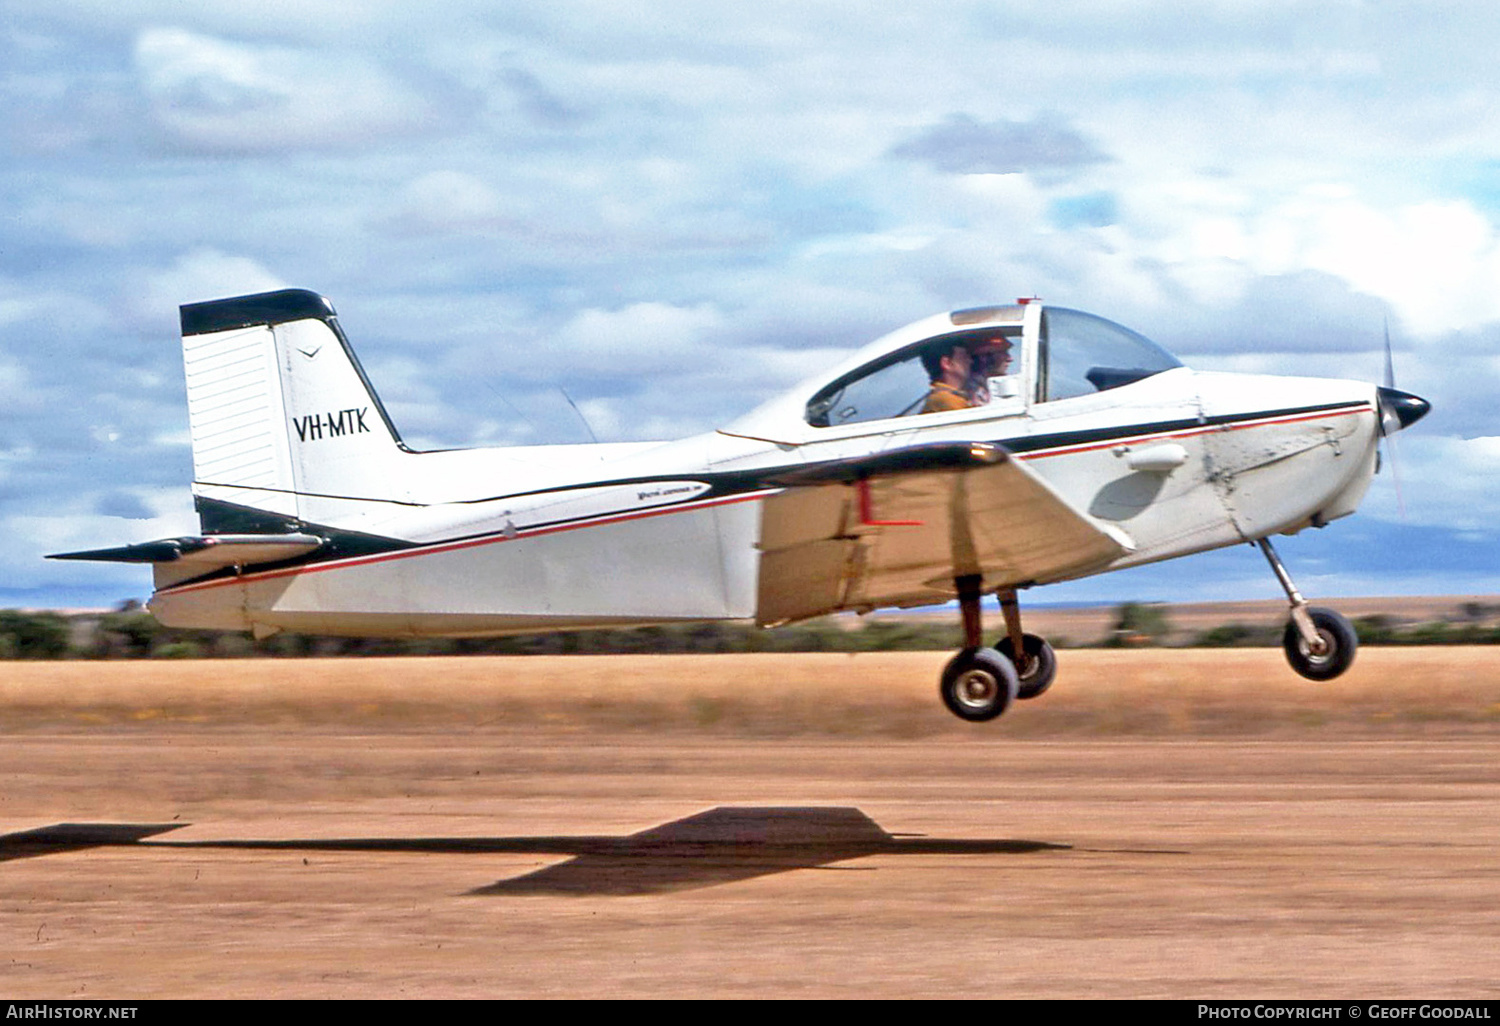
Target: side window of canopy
{"type": "Point", "coordinates": [902, 384]}
{"type": "Point", "coordinates": [1082, 354]}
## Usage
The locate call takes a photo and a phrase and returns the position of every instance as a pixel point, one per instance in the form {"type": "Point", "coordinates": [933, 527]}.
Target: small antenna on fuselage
{"type": "Point", "coordinates": [576, 410]}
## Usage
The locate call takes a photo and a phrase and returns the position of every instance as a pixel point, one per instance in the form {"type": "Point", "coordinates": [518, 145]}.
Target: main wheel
{"type": "Point", "coordinates": [979, 684]}
{"type": "Point", "coordinates": [1041, 664]}
{"type": "Point", "coordinates": [1338, 637]}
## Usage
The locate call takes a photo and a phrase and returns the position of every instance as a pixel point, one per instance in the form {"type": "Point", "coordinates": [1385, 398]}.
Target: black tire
{"type": "Point", "coordinates": [1336, 633]}
{"type": "Point", "coordinates": [1041, 664]}
{"type": "Point", "coordinates": [979, 684]}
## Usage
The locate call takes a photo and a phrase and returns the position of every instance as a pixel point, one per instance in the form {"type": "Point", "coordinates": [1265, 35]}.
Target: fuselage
{"type": "Point", "coordinates": [491, 541]}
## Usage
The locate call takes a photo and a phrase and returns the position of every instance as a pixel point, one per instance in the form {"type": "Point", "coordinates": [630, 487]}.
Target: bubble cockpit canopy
{"type": "Point", "coordinates": [1076, 354]}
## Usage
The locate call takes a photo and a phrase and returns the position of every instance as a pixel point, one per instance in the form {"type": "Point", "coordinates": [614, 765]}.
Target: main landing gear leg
{"type": "Point", "coordinates": [968, 608]}
{"type": "Point", "coordinates": [978, 683]}
{"type": "Point", "coordinates": [1036, 663]}
{"type": "Point", "coordinates": [1319, 643]}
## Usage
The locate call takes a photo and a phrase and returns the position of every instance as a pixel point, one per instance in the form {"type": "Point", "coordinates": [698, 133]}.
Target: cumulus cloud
{"type": "Point", "coordinates": [15, 389]}
{"type": "Point", "coordinates": [1446, 482]}
{"type": "Point", "coordinates": [539, 103]}
{"type": "Point", "coordinates": [639, 339]}
{"type": "Point", "coordinates": [63, 529]}
{"type": "Point", "coordinates": [1426, 260]}
{"type": "Point", "coordinates": [1435, 262]}
{"type": "Point", "coordinates": [448, 200]}
{"type": "Point", "coordinates": [218, 95]}
{"type": "Point", "coordinates": [965, 146]}
{"type": "Point", "coordinates": [197, 275]}
{"type": "Point", "coordinates": [1305, 312]}
{"type": "Point", "coordinates": [123, 504]}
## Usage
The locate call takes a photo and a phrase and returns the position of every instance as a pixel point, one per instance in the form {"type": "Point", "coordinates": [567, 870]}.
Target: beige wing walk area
{"type": "Point", "coordinates": [896, 529]}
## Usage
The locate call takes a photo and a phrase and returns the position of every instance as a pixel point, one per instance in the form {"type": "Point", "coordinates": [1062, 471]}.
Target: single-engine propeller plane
{"type": "Point", "coordinates": [981, 451]}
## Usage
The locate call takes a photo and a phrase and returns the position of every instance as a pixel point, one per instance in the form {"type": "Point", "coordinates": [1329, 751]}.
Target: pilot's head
{"type": "Point", "coordinates": [992, 357]}
{"type": "Point", "coordinates": [949, 363]}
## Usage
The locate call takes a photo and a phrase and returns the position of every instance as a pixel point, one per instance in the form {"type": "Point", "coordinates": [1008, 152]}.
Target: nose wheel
{"type": "Point", "coordinates": [1338, 645]}
{"type": "Point", "coordinates": [1319, 643]}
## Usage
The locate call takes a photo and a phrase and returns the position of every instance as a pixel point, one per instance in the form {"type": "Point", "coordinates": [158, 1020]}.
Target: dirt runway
{"type": "Point", "coordinates": [291, 830]}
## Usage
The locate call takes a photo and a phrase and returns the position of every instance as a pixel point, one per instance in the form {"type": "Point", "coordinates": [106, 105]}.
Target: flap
{"type": "Point", "coordinates": [889, 536]}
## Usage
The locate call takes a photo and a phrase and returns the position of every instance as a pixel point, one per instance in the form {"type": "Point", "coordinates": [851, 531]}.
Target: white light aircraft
{"type": "Point", "coordinates": [981, 451]}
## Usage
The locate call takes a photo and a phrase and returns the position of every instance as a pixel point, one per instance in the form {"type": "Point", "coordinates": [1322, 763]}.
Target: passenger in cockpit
{"type": "Point", "coordinates": [991, 359]}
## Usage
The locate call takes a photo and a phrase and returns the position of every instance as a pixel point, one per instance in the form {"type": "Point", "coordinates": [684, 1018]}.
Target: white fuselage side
{"type": "Point", "coordinates": [501, 541]}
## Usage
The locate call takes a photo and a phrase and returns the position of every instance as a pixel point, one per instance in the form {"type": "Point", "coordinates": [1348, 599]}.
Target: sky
{"type": "Point", "coordinates": [672, 211]}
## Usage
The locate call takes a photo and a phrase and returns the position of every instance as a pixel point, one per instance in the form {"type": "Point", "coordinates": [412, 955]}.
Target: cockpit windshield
{"type": "Point", "coordinates": [1083, 354]}
{"type": "Point", "coordinates": [1079, 354]}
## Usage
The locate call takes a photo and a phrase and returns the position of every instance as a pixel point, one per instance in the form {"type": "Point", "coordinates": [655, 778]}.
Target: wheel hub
{"type": "Point", "coordinates": [977, 689]}
{"type": "Point", "coordinates": [1321, 653]}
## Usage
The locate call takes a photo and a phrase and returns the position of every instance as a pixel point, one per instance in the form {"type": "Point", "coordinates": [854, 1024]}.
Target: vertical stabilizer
{"type": "Point", "coordinates": [284, 421]}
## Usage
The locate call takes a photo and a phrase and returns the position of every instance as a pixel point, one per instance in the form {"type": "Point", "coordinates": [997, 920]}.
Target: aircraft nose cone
{"type": "Point", "coordinates": [1405, 407]}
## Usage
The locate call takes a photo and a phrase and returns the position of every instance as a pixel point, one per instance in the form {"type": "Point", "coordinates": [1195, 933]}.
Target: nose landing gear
{"type": "Point", "coordinates": [1319, 643]}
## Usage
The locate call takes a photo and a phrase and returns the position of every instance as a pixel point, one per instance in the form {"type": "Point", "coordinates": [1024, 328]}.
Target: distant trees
{"type": "Point", "coordinates": [33, 635]}
{"type": "Point", "coordinates": [1138, 624]}
{"type": "Point", "coordinates": [128, 632]}
{"type": "Point", "coordinates": [131, 632]}
{"type": "Point", "coordinates": [1238, 635]}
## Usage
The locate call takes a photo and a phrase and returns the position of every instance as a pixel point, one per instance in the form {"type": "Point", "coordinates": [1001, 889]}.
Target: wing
{"type": "Point", "coordinates": [896, 528]}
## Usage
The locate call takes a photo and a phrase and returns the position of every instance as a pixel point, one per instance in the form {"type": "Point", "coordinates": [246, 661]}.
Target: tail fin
{"type": "Point", "coordinates": [283, 418]}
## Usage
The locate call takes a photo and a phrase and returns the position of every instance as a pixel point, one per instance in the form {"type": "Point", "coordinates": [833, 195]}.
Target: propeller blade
{"type": "Point", "coordinates": [1390, 419]}
{"type": "Point", "coordinates": [1390, 366]}
{"type": "Point", "coordinates": [1398, 410]}
{"type": "Point", "coordinates": [1390, 448]}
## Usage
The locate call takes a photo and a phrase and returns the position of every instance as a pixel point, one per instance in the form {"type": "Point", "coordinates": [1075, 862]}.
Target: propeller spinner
{"type": "Point", "coordinates": [1399, 409]}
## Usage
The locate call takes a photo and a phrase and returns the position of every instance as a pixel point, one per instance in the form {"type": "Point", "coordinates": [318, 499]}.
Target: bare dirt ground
{"type": "Point", "coordinates": [1187, 824]}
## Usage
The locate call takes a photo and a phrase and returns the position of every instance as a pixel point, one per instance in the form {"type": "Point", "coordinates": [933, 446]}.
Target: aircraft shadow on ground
{"type": "Point", "coordinates": [714, 847]}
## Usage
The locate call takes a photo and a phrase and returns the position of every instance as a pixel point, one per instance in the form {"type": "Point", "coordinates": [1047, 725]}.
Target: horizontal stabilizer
{"type": "Point", "coordinates": [206, 551]}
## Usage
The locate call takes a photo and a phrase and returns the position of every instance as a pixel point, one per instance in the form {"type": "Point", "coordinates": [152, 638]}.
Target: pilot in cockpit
{"type": "Point", "coordinates": [960, 375]}
{"type": "Point", "coordinates": [949, 371]}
